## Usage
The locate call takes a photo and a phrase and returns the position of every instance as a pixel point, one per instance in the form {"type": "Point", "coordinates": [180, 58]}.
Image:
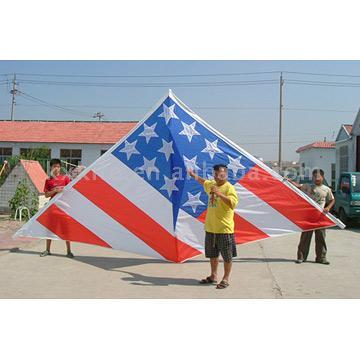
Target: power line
{"type": "Point", "coordinates": [226, 108]}
{"type": "Point", "coordinates": [322, 74]}
{"type": "Point", "coordinates": [320, 110]}
{"type": "Point", "coordinates": [152, 76]}
{"type": "Point", "coordinates": [321, 83]}
{"type": "Point", "coordinates": [53, 106]}
{"type": "Point", "coordinates": [166, 85]}
{"type": "Point", "coordinates": [192, 84]}
{"type": "Point", "coordinates": [190, 75]}
{"type": "Point", "coordinates": [275, 142]}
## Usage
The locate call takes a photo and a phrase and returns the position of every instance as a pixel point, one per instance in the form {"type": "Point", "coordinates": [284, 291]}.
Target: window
{"type": "Point", "coordinates": [35, 152]}
{"type": "Point", "coordinates": [5, 153]}
{"type": "Point", "coordinates": [42, 155]}
{"type": "Point", "coordinates": [72, 156]}
{"type": "Point", "coordinates": [333, 176]}
{"type": "Point", "coordinates": [25, 152]}
{"type": "Point", "coordinates": [355, 181]}
{"type": "Point", "coordinates": [344, 158]}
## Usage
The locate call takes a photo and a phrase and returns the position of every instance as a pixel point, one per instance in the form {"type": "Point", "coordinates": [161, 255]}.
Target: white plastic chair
{"type": "Point", "coordinates": [19, 211]}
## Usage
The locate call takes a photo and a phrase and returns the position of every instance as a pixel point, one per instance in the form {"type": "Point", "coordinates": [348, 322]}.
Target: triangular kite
{"type": "Point", "coordinates": [138, 198]}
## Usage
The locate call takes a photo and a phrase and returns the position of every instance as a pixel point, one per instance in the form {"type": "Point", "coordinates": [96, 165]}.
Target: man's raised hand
{"type": "Point", "coordinates": [191, 172]}
{"type": "Point", "coordinates": [199, 179]}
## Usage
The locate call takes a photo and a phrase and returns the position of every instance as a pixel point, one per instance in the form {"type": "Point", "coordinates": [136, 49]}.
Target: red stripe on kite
{"type": "Point", "coordinates": [244, 230]}
{"type": "Point", "coordinates": [286, 201]}
{"type": "Point", "coordinates": [117, 206]}
{"type": "Point", "coordinates": [67, 228]}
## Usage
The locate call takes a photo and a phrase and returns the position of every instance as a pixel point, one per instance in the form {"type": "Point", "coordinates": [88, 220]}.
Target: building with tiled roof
{"type": "Point", "coordinates": [318, 154]}
{"type": "Point", "coordinates": [72, 141]}
{"type": "Point", "coordinates": [317, 145]}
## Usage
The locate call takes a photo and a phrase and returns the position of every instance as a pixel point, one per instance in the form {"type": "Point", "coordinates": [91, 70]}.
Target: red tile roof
{"type": "Point", "coordinates": [317, 144]}
{"type": "Point", "coordinates": [64, 131]}
{"type": "Point", "coordinates": [36, 173]}
{"type": "Point", "coordinates": [348, 128]}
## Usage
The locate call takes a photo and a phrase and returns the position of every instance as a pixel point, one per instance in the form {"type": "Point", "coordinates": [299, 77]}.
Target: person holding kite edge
{"type": "Point", "coordinates": [323, 196]}
{"type": "Point", "coordinates": [219, 223]}
{"type": "Point", "coordinates": [54, 185]}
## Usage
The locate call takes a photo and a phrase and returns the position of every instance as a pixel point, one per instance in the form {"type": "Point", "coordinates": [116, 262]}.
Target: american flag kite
{"type": "Point", "coordinates": [138, 198]}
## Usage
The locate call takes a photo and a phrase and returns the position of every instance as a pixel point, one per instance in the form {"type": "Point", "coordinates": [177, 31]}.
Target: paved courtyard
{"type": "Point", "coordinates": [264, 269]}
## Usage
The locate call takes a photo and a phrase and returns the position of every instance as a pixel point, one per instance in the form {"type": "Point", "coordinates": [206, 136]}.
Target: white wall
{"type": "Point", "coordinates": [351, 144]}
{"type": "Point", "coordinates": [319, 158]}
{"type": "Point", "coordinates": [90, 152]}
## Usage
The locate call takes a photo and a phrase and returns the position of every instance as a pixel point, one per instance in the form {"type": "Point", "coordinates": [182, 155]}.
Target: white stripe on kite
{"type": "Point", "coordinates": [261, 214]}
{"type": "Point", "coordinates": [137, 190]}
{"type": "Point", "coordinates": [191, 230]}
{"type": "Point", "coordinates": [101, 224]}
{"type": "Point", "coordinates": [36, 230]}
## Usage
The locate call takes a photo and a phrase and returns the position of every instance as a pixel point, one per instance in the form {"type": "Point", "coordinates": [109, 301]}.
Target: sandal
{"type": "Point", "coordinates": [45, 253]}
{"type": "Point", "coordinates": [208, 280]}
{"type": "Point", "coordinates": [222, 284]}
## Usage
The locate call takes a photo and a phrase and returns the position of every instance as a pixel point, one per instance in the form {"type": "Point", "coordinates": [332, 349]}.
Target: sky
{"type": "Point", "coordinates": [247, 113]}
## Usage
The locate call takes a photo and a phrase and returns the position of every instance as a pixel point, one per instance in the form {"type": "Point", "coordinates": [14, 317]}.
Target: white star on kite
{"type": "Point", "coordinates": [166, 149]}
{"type": "Point", "coordinates": [194, 201]}
{"type": "Point", "coordinates": [169, 185]}
{"type": "Point", "coordinates": [189, 130]}
{"type": "Point", "coordinates": [149, 132]}
{"type": "Point", "coordinates": [168, 113]}
{"type": "Point", "coordinates": [191, 163]}
{"type": "Point", "coordinates": [235, 165]}
{"type": "Point", "coordinates": [129, 149]}
{"type": "Point", "coordinates": [211, 148]}
{"type": "Point", "coordinates": [149, 167]}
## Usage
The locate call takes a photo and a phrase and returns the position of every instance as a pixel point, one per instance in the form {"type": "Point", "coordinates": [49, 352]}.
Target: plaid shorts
{"type": "Point", "coordinates": [223, 244]}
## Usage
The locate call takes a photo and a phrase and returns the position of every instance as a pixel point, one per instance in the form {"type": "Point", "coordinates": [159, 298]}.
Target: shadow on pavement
{"type": "Point", "coordinates": [112, 263]}
{"type": "Point", "coordinates": [262, 260]}
{"type": "Point", "coordinates": [31, 252]}
{"type": "Point", "coordinates": [137, 279]}
{"type": "Point", "coordinates": [7, 250]}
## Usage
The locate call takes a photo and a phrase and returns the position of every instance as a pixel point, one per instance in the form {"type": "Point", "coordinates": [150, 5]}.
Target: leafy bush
{"type": "Point", "coordinates": [24, 197]}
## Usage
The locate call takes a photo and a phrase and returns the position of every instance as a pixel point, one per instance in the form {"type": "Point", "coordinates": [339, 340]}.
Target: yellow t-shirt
{"type": "Point", "coordinates": [219, 216]}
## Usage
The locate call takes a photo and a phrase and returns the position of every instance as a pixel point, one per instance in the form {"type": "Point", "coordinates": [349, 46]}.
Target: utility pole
{"type": "Point", "coordinates": [14, 93]}
{"type": "Point", "coordinates": [98, 115]}
{"type": "Point", "coordinates": [280, 121]}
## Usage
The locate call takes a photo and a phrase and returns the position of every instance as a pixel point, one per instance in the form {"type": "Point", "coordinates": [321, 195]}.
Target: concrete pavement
{"type": "Point", "coordinates": [264, 269]}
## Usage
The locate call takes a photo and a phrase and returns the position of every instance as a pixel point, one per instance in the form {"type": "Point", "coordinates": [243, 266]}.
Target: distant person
{"type": "Point", "coordinates": [54, 185]}
{"type": "Point", "coordinates": [219, 223]}
{"type": "Point", "coordinates": [323, 195]}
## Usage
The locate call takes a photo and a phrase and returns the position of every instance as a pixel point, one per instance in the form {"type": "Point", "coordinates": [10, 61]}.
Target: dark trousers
{"type": "Point", "coordinates": [320, 245]}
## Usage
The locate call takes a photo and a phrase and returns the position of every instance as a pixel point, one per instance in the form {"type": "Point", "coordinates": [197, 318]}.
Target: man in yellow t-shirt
{"type": "Point", "coordinates": [219, 223]}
